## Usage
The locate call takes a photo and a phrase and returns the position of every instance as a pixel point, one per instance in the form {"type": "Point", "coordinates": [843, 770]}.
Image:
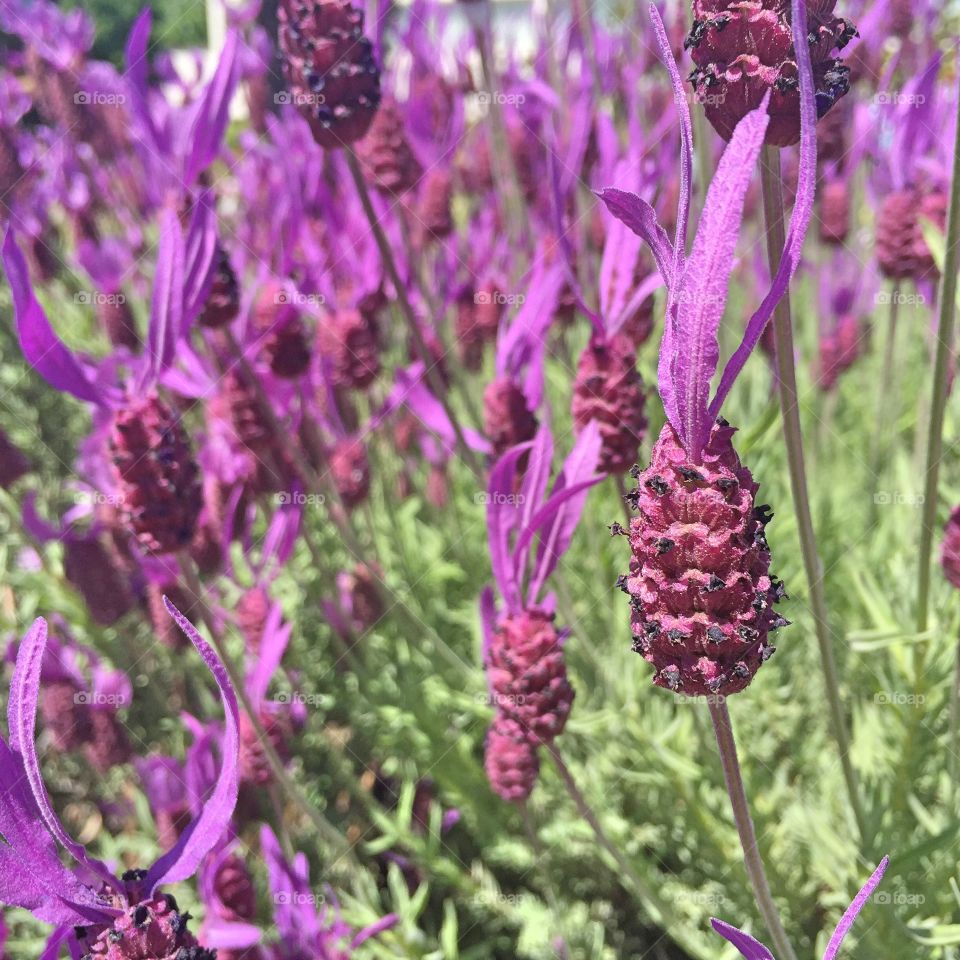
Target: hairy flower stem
{"type": "Point", "coordinates": [793, 439]}
{"type": "Point", "coordinates": [386, 254]}
{"type": "Point", "coordinates": [953, 744]}
{"type": "Point", "coordinates": [748, 839]}
{"type": "Point", "coordinates": [323, 826]}
{"type": "Point", "coordinates": [659, 912]}
{"type": "Point", "coordinates": [882, 436]}
{"type": "Point", "coordinates": [938, 400]}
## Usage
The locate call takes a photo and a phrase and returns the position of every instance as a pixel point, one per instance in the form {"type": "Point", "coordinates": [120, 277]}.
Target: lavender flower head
{"type": "Point", "coordinates": [95, 912]}
{"type": "Point", "coordinates": [699, 584]}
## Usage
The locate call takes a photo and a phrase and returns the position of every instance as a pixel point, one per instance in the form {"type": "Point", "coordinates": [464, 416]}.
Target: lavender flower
{"type": "Point", "coordinates": [701, 594]}
{"type": "Point", "coordinates": [94, 911]}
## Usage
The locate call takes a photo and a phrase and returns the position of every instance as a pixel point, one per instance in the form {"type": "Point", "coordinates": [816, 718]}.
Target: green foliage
{"type": "Point", "coordinates": [176, 23]}
{"type": "Point", "coordinates": [408, 699]}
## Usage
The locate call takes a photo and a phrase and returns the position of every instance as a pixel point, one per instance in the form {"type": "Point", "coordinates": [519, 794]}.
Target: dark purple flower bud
{"type": "Point", "coordinates": [742, 49]}
{"type": "Point", "coordinates": [835, 212]}
{"type": "Point", "coordinates": [507, 420]}
{"type": "Point", "coordinates": [280, 328]}
{"type": "Point", "coordinates": [436, 193]}
{"type": "Point", "coordinates": [351, 472]}
{"type": "Point", "coordinates": [164, 627]}
{"type": "Point", "coordinates": [699, 582]}
{"type": "Point", "coordinates": [108, 746]}
{"type": "Point", "coordinates": [234, 888]}
{"type": "Point", "coordinates": [94, 568]}
{"type": "Point", "coordinates": [255, 770]}
{"type": "Point", "coordinates": [66, 714]}
{"type": "Point", "coordinates": [839, 350]}
{"type": "Point", "coordinates": [350, 341]}
{"type": "Point", "coordinates": [328, 63]}
{"type": "Point", "coordinates": [511, 761]}
{"type": "Point", "coordinates": [223, 301]}
{"type": "Point", "coordinates": [608, 389]}
{"type": "Point", "coordinates": [528, 674]}
{"type": "Point", "coordinates": [158, 478]}
{"type": "Point", "coordinates": [116, 319]}
{"type": "Point", "coordinates": [385, 156]}
{"type": "Point", "coordinates": [477, 322]}
{"type": "Point", "coordinates": [251, 614]}
{"type": "Point", "coordinates": [902, 251]}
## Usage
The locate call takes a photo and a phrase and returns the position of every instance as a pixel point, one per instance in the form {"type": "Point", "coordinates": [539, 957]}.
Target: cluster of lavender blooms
{"type": "Point", "coordinates": [366, 262]}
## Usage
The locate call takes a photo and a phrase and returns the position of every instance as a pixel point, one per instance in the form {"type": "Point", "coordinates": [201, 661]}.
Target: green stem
{"type": "Point", "coordinates": [882, 435]}
{"type": "Point", "coordinates": [727, 746]}
{"type": "Point", "coordinates": [793, 439]}
{"type": "Point", "coordinates": [413, 325]}
{"type": "Point", "coordinates": [945, 327]}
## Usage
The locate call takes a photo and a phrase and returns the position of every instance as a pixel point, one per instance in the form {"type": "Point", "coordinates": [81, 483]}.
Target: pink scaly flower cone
{"type": "Point", "coordinates": [158, 479]}
{"type": "Point", "coordinates": [950, 556]}
{"type": "Point", "coordinates": [902, 251]}
{"type": "Point", "coordinates": [608, 389]}
{"type": "Point", "coordinates": [506, 419]}
{"type": "Point", "coordinates": [511, 761]}
{"type": "Point", "coordinates": [699, 581]}
{"type": "Point", "coordinates": [744, 48]}
{"type": "Point", "coordinates": [528, 674]}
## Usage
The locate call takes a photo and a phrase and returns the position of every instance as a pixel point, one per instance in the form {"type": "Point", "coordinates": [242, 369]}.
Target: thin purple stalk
{"type": "Point", "coordinates": [406, 308]}
{"type": "Point", "coordinates": [945, 330]}
{"type": "Point", "coordinates": [793, 440]}
{"type": "Point", "coordinates": [727, 745]}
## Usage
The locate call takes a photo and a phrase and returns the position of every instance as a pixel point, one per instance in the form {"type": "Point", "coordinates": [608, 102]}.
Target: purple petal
{"type": "Point", "coordinates": [799, 220]}
{"type": "Point", "coordinates": [199, 259]}
{"type": "Point", "coordinates": [543, 516]}
{"type": "Point", "coordinates": [537, 475]}
{"type": "Point", "coordinates": [166, 308]}
{"type": "Point", "coordinates": [22, 721]}
{"type": "Point", "coordinates": [41, 347]}
{"type": "Point", "coordinates": [555, 539]}
{"type": "Point", "coordinates": [686, 140]}
{"type": "Point", "coordinates": [693, 351]}
{"type": "Point", "coordinates": [641, 218]}
{"type": "Point", "coordinates": [749, 948]}
{"type": "Point", "coordinates": [846, 922]}
{"type": "Point", "coordinates": [375, 929]}
{"type": "Point", "coordinates": [137, 71]}
{"type": "Point", "coordinates": [503, 516]}
{"type": "Point", "coordinates": [276, 636]}
{"type": "Point", "coordinates": [214, 112]}
{"type": "Point", "coordinates": [203, 833]}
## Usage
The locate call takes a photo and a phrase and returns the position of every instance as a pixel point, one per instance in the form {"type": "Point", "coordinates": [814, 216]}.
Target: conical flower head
{"type": "Point", "coordinates": [158, 479]}
{"type": "Point", "coordinates": [351, 343]}
{"type": "Point", "coordinates": [507, 420]}
{"type": "Point", "coordinates": [223, 301]}
{"type": "Point", "coordinates": [528, 674]}
{"type": "Point", "coordinates": [152, 930]}
{"type": "Point", "coordinates": [743, 49]}
{"type": "Point", "coordinates": [350, 469]}
{"type": "Point", "coordinates": [608, 389]}
{"type": "Point", "coordinates": [433, 207]}
{"type": "Point", "coordinates": [511, 761]}
{"type": "Point", "coordinates": [902, 251]}
{"type": "Point", "coordinates": [699, 582]}
{"type": "Point", "coordinates": [328, 63]}
{"type": "Point", "coordinates": [835, 212]}
{"type": "Point", "coordinates": [385, 155]}
{"type": "Point", "coordinates": [281, 332]}
{"type": "Point", "coordinates": [234, 889]}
